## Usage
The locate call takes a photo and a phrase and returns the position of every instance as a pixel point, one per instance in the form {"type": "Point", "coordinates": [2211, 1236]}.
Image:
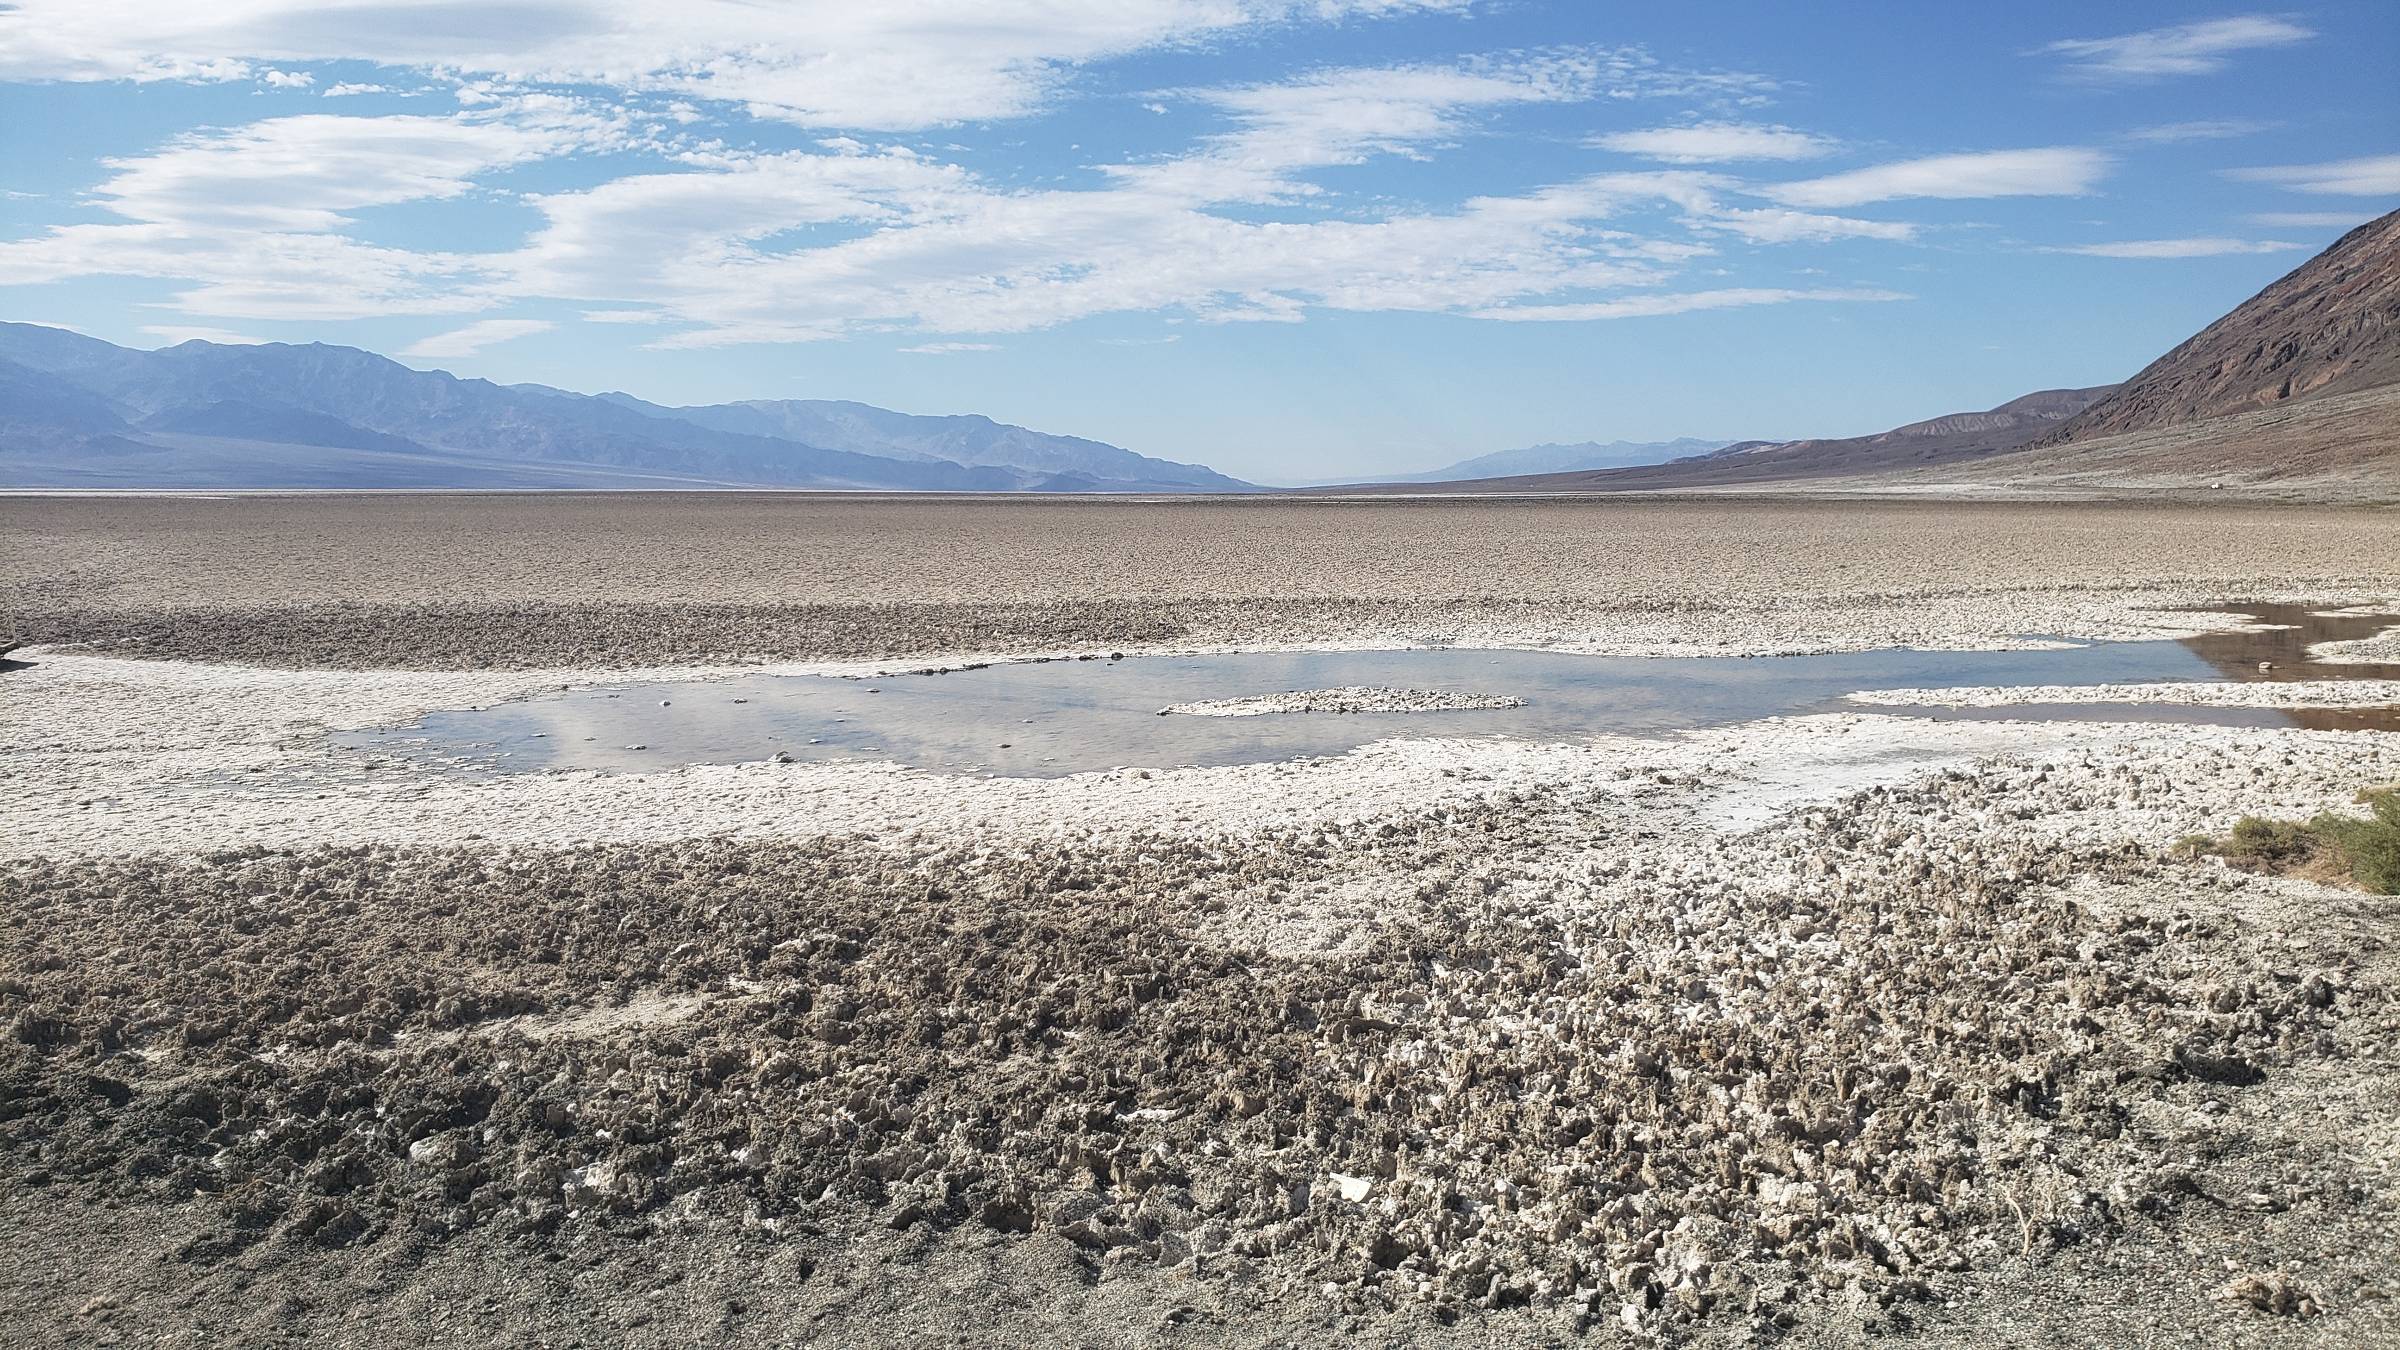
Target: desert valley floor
{"type": "Point", "coordinates": [1840, 1025]}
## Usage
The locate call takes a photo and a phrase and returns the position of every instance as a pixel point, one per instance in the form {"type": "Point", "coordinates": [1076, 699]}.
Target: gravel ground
{"type": "Point", "coordinates": [1802, 1032]}
{"type": "Point", "coordinates": [453, 582]}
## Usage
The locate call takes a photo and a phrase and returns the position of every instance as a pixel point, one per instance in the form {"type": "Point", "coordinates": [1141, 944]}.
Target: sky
{"type": "Point", "coordinates": [1291, 239]}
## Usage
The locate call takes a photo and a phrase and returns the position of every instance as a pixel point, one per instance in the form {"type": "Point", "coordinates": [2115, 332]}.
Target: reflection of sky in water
{"type": "Point", "coordinates": [1057, 717]}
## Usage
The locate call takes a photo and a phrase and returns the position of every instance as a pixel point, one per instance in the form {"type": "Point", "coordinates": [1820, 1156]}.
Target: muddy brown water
{"type": "Point", "coordinates": [1063, 716]}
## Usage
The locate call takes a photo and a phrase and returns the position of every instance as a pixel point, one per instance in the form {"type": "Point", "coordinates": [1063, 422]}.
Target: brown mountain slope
{"type": "Point", "coordinates": [2332, 326]}
{"type": "Point", "coordinates": [2339, 448]}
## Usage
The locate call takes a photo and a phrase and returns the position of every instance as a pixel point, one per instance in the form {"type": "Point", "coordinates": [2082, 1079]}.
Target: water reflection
{"type": "Point", "coordinates": [2284, 649]}
{"type": "Point", "coordinates": [1061, 717]}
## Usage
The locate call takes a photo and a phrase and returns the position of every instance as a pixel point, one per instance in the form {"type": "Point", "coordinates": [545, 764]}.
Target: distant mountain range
{"type": "Point", "coordinates": [79, 412]}
{"type": "Point", "coordinates": [2300, 382]}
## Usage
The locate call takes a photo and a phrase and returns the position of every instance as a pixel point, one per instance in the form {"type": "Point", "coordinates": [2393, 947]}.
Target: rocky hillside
{"type": "Point", "coordinates": [2330, 327]}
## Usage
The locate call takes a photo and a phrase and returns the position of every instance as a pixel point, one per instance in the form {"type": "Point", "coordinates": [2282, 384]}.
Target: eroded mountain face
{"type": "Point", "coordinates": [2330, 327]}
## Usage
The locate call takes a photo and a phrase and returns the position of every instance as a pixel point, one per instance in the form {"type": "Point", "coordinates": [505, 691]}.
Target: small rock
{"type": "Point", "coordinates": [2272, 1292]}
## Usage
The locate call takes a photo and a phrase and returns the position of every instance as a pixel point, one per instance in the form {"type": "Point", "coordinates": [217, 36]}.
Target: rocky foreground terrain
{"type": "Point", "coordinates": [1809, 1031]}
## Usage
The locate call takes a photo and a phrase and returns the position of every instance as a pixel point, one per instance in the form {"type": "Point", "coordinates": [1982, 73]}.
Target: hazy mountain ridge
{"type": "Point", "coordinates": [343, 400]}
{"type": "Point", "coordinates": [1556, 457]}
{"type": "Point", "coordinates": [970, 439]}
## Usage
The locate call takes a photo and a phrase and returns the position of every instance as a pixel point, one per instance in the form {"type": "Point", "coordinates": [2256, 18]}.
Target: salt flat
{"type": "Point", "coordinates": [1810, 1027]}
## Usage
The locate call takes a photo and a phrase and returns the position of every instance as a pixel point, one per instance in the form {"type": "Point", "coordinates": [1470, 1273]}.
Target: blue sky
{"type": "Point", "coordinates": [1288, 238]}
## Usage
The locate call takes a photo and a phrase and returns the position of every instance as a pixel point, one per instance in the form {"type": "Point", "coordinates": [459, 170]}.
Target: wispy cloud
{"type": "Point", "coordinates": [475, 337]}
{"type": "Point", "coordinates": [1348, 116]}
{"type": "Point", "coordinates": [256, 220]}
{"type": "Point", "coordinates": [2210, 247]}
{"type": "Point", "coordinates": [2371, 176]}
{"type": "Point", "coordinates": [949, 348]}
{"type": "Point", "coordinates": [890, 67]}
{"type": "Point", "coordinates": [2221, 129]}
{"type": "Point", "coordinates": [2307, 220]}
{"type": "Point", "coordinates": [1716, 143]}
{"type": "Point", "coordinates": [1782, 225]}
{"type": "Point", "coordinates": [190, 333]}
{"type": "Point", "coordinates": [2201, 48]}
{"type": "Point", "coordinates": [2059, 171]}
{"type": "Point", "coordinates": [1648, 306]}
{"type": "Point", "coordinates": [720, 243]}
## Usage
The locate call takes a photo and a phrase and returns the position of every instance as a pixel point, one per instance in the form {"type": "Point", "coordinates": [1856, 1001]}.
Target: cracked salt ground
{"type": "Point", "coordinates": [1051, 718]}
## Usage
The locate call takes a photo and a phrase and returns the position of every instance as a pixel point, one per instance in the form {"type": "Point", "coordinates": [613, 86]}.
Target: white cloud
{"type": "Point", "coordinates": [2184, 49]}
{"type": "Point", "coordinates": [2059, 171]}
{"type": "Point", "coordinates": [1348, 116]}
{"type": "Point", "coordinates": [352, 90]}
{"type": "Point", "coordinates": [253, 218]}
{"type": "Point", "coordinates": [2177, 248]}
{"type": "Point", "coordinates": [945, 252]}
{"type": "Point", "coordinates": [949, 348]}
{"type": "Point", "coordinates": [1716, 143]}
{"type": "Point", "coordinates": [2221, 129]}
{"type": "Point", "coordinates": [475, 337]}
{"type": "Point", "coordinates": [721, 245]}
{"type": "Point", "coordinates": [2371, 176]}
{"type": "Point", "coordinates": [305, 172]}
{"type": "Point", "coordinates": [230, 272]}
{"type": "Point", "coordinates": [914, 244]}
{"type": "Point", "coordinates": [286, 79]}
{"type": "Point", "coordinates": [822, 62]}
{"type": "Point", "coordinates": [1781, 225]}
{"type": "Point", "coordinates": [192, 333]}
{"type": "Point", "coordinates": [2307, 220]}
{"type": "Point", "coordinates": [1650, 306]}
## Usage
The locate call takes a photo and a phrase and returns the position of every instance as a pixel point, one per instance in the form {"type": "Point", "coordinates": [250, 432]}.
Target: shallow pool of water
{"type": "Point", "coordinates": [1072, 716]}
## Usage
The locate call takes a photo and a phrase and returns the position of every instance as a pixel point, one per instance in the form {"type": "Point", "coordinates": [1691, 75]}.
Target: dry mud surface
{"type": "Point", "coordinates": [1810, 1032]}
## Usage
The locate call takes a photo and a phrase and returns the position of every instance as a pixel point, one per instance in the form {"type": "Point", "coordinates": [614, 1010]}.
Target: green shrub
{"type": "Point", "coordinates": [2370, 847]}
{"type": "Point", "coordinates": [2268, 840]}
